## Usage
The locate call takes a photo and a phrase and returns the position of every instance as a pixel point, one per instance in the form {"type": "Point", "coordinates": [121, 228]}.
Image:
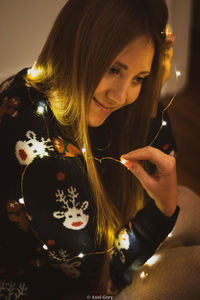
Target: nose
{"type": "Point", "coordinates": [118, 93]}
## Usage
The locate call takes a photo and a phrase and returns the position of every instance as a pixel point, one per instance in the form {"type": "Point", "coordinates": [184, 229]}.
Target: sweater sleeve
{"type": "Point", "coordinates": [137, 242]}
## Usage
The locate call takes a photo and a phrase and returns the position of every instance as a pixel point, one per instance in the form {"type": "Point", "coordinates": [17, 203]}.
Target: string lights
{"type": "Point", "coordinates": [80, 255]}
{"type": "Point", "coordinates": [45, 247]}
{"type": "Point", "coordinates": [41, 110]}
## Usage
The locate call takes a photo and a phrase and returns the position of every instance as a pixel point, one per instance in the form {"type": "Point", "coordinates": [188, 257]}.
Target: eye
{"type": "Point", "coordinates": [139, 79]}
{"type": "Point", "coordinates": [114, 70]}
{"type": "Point", "coordinates": [78, 215]}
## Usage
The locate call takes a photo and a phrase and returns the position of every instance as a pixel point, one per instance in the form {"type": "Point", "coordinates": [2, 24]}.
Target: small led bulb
{"type": "Point", "coordinates": [164, 123]}
{"type": "Point", "coordinates": [178, 74]}
{"type": "Point", "coordinates": [123, 161]}
{"type": "Point", "coordinates": [45, 247]}
{"type": "Point", "coordinates": [143, 275]}
{"type": "Point", "coordinates": [170, 234]}
{"type": "Point", "coordinates": [21, 200]}
{"type": "Point", "coordinates": [83, 150]}
{"type": "Point", "coordinates": [41, 108]}
{"type": "Point", "coordinates": [81, 255]}
{"type": "Point", "coordinates": [34, 72]}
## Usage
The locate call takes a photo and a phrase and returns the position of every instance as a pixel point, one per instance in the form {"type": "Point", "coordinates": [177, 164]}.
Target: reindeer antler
{"type": "Point", "coordinates": [61, 198]}
{"type": "Point", "coordinates": [72, 194]}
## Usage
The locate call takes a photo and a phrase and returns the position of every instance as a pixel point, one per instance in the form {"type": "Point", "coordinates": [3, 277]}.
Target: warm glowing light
{"type": "Point", "coordinates": [151, 261]}
{"type": "Point", "coordinates": [45, 247]}
{"type": "Point", "coordinates": [143, 274]}
{"type": "Point", "coordinates": [41, 108]}
{"type": "Point", "coordinates": [21, 201]}
{"type": "Point", "coordinates": [81, 255]}
{"type": "Point", "coordinates": [123, 161]}
{"type": "Point", "coordinates": [164, 123]}
{"type": "Point", "coordinates": [178, 74]}
{"type": "Point", "coordinates": [83, 150]}
{"type": "Point", "coordinates": [170, 234]}
{"type": "Point", "coordinates": [34, 72]}
{"type": "Point", "coordinates": [168, 29]}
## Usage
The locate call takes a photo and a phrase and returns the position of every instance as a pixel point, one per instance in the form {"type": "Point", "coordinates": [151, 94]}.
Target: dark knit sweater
{"type": "Point", "coordinates": [47, 212]}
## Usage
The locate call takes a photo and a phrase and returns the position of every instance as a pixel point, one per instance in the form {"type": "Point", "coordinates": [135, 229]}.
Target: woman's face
{"type": "Point", "coordinates": [122, 83]}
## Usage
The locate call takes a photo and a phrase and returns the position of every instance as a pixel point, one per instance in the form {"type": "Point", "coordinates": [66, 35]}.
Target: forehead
{"type": "Point", "coordinates": [138, 54]}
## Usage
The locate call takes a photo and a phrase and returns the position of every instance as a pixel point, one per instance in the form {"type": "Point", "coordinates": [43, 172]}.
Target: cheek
{"type": "Point", "coordinates": [103, 85]}
{"type": "Point", "coordinates": [133, 94]}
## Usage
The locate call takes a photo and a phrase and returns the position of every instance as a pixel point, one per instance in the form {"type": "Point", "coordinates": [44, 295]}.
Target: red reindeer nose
{"type": "Point", "coordinates": [23, 154]}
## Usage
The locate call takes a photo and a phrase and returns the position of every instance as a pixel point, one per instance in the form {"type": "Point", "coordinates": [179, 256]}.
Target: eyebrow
{"type": "Point", "coordinates": [125, 67]}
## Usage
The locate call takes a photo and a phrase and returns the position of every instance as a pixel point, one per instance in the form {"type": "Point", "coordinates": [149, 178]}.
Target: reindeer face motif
{"type": "Point", "coordinates": [74, 217]}
{"type": "Point", "coordinates": [26, 151]}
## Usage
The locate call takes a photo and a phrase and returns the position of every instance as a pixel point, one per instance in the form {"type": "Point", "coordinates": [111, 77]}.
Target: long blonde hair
{"type": "Point", "coordinates": [84, 41]}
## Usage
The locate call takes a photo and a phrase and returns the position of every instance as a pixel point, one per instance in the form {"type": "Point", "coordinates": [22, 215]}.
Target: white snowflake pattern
{"type": "Point", "coordinates": [21, 291]}
{"type": "Point", "coordinates": [9, 290]}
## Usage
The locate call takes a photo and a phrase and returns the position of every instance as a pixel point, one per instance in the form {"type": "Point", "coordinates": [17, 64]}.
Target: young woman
{"type": "Point", "coordinates": [69, 208]}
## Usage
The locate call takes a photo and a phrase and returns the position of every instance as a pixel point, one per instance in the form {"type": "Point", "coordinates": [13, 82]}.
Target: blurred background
{"type": "Point", "coordinates": [25, 24]}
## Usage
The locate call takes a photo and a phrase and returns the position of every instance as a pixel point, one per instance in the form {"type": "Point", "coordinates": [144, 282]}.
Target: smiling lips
{"type": "Point", "coordinates": [102, 107]}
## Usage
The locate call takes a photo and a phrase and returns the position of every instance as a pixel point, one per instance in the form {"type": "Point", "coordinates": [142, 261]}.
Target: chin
{"type": "Point", "coordinates": [96, 122]}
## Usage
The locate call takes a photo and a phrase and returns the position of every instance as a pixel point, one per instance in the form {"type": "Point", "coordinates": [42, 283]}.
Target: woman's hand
{"type": "Point", "coordinates": [161, 185]}
{"type": "Point", "coordinates": [168, 54]}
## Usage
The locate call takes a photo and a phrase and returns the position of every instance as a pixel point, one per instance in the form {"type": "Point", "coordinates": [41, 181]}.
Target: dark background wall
{"type": "Point", "coordinates": [185, 111]}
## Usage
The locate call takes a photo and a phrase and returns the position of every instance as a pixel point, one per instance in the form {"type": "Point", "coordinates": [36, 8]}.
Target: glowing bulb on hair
{"type": "Point", "coordinates": [81, 255]}
{"type": "Point", "coordinates": [41, 108]}
{"type": "Point", "coordinates": [83, 150]}
{"type": "Point", "coordinates": [34, 72]}
{"type": "Point", "coordinates": [164, 123]}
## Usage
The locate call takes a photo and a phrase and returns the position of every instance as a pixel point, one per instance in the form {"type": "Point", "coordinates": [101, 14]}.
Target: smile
{"type": "Point", "coordinates": [102, 107]}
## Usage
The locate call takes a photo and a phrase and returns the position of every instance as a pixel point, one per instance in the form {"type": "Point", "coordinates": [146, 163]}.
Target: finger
{"type": "Point", "coordinates": [162, 161]}
{"type": "Point", "coordinates": [170, 40]}
{"type": "Point", "coordinates": [140, 173]}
